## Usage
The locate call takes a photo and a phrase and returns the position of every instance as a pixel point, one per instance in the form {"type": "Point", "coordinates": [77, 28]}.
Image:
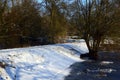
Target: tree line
{"type": "Point", "coordinates": [26, 21]}
{"type": "Point", "coordinates": [22, 22]}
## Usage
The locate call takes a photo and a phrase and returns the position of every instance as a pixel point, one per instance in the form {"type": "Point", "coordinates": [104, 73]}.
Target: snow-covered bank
{"type": "Point", "coordinates": [49, 62]}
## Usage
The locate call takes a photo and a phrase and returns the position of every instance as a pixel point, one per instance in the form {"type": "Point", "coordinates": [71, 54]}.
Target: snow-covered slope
{"type": "Point", "coordinates": [49, 62]}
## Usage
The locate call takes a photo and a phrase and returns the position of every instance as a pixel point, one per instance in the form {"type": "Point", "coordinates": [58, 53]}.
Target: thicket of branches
{"type": "Point", "coordinates": [22, 22]}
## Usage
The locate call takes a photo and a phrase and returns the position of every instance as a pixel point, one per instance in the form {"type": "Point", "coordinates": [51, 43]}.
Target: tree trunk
{"type": "Point", "coordinates": [92, 52]}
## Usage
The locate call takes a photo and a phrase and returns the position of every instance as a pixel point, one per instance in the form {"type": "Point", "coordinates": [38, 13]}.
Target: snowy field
{"type": "Point", "coordinates": [49, 62]}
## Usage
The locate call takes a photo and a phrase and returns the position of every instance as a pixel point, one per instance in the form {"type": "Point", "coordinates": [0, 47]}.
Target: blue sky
{"type": "Point", "coordinates": [39, 0]}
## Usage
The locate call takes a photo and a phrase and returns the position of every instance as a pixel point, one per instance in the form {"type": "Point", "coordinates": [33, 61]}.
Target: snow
{"type": "Point", "coordinates": [101, 70]}
{"type": "Point", "coordinates": [106, 62]}
{"type": "Point", "coordinates": [49, 62]}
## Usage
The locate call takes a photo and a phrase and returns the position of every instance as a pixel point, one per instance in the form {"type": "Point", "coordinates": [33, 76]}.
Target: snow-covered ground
{"type": "Point", "coordinates": [49, 62]}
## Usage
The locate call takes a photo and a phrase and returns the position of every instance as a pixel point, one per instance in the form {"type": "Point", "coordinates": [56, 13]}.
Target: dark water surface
{"type": "Point", "coordinates": [106, 68]}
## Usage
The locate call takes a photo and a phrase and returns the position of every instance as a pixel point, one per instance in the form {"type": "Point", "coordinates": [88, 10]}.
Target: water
{"type": "Point", "coordinates": [107, 68]}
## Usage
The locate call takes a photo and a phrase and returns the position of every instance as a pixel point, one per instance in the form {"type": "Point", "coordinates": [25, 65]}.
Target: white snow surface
{"type": "Point", "coordinates": [49, 62]}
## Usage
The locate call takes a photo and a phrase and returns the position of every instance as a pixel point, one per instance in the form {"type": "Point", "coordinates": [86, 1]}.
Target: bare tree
{"type": "Point", "coordinates": [94, 19]}
{"type": "Point", "coordinates": [56, 19]}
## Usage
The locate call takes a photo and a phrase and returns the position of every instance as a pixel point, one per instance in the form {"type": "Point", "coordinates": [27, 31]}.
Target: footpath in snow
{"type": "Point", "coordinates": [49, 62]}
